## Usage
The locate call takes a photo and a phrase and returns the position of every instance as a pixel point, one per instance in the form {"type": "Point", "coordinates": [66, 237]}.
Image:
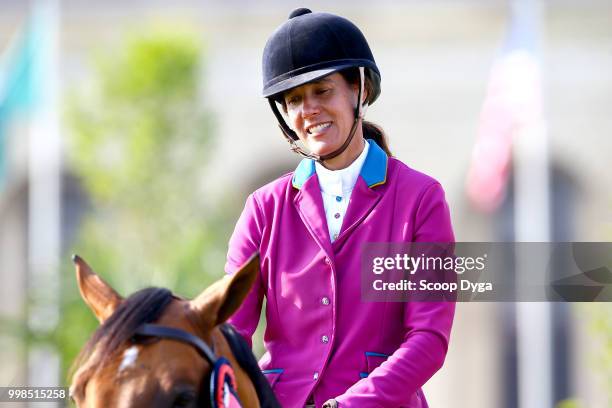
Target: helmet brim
{"type": "Point", "coordinates": [301, 79]}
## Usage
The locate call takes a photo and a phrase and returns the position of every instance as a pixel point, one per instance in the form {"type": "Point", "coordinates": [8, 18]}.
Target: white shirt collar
{"type": "Point", "coordinates": [340, 182]}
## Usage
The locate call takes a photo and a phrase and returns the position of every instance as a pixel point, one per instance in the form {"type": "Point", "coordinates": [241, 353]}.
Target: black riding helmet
{"type": "Point", "coordinates": [310, 46]}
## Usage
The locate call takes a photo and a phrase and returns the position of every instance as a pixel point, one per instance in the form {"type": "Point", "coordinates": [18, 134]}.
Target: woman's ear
{"type": "Point", "coordinates": [364, 94]}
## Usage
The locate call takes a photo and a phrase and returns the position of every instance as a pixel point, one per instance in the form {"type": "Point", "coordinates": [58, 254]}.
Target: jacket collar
{"type": "Point", "coordinates": [340, 182]}
{"type": "Point", "coordinates": [373, 171]}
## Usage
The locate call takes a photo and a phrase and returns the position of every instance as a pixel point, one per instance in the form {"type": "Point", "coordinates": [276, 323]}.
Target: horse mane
{"type": "Point", "coordinates": [244, 355]}
{"type": "Point", "coordinates": [144, 306]}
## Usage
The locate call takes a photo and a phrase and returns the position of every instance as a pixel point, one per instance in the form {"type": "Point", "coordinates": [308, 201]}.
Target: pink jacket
{"type": "Point", "coordinates": [320, 337]}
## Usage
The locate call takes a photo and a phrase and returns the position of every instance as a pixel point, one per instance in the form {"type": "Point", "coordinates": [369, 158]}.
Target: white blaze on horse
{"type": "Point", "coordinates": [154, 349]}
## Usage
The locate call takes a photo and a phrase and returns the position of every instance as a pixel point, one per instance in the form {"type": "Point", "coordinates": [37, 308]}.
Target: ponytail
{"type": "Point", "coordinates": [375, 132]}
{"type": "Point", "coordinates": [370, 130]}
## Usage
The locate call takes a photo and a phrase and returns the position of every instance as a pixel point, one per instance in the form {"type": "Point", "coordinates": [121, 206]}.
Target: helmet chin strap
{"type": "Point", "coordinates": [292, 137]}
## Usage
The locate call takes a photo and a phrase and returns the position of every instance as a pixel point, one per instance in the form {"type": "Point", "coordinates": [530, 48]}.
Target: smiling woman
{"type": "Point", "coordinates": [336, 94]}
{"type": "Point", "coordinates": [309, 227]}
{"type": "Point", "coordinates": [321, 114]}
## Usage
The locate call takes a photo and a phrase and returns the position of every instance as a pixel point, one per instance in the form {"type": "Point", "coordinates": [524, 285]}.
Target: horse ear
{"type": "Point", "coordinates": [97, 294]}
{"type": "Point", "coordinates": [217, 303]}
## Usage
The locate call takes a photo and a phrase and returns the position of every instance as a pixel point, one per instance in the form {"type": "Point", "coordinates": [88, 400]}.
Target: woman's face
{"type": "Point", "coordinates": [322, 112]}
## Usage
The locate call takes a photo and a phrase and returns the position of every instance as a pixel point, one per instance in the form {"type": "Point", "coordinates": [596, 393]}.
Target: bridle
{"type": "Point", "coordinates": [223, 387]}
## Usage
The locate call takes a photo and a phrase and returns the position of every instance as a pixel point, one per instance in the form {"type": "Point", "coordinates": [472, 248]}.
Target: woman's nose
{"type": "Point", "coordinates": [310, 106]}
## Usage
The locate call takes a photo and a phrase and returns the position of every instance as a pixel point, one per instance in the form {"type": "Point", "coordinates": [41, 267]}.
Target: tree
{"type": "Point", "coordinates": [139, 139]}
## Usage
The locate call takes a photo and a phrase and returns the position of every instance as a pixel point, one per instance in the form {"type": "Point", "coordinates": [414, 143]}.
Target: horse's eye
{"type": "Point", "coordinates": [184, 399]}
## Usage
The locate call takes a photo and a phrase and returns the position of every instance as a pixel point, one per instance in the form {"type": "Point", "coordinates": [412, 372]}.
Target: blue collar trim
{"type": "Point", "coordinates": [303, 172]}
{"type": "Point", "coordinates": [373, 171]}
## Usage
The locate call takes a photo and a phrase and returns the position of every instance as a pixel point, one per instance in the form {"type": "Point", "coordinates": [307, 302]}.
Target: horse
{"type": "Point", "coordinates": [155, 349]}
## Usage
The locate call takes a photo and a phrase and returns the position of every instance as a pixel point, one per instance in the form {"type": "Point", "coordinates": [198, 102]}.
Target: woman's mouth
{"type": "Point", "coordinates": [318, 128]}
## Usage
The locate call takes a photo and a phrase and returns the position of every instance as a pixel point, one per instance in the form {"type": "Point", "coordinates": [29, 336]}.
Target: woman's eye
{"type": "Point", "coordinates": [323, 91]}
{"type": "Point", "coordinates": [292, 100]}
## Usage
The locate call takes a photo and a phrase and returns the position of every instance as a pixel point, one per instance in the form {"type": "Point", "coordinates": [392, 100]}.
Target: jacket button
{"type": "Point", "coordinates": [327, 260]}
{"type": "Point", "coordinates": [324, 339]}
{"type": "Point", "coordinates": [315, 375]}
{"type": "Point", "coordinates": [325, 300]}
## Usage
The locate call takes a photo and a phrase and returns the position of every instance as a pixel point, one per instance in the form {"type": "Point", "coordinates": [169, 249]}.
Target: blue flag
{"type": "Point", "coordinates": [19, 65]}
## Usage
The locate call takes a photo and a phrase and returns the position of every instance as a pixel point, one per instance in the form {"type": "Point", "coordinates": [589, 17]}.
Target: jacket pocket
{"type": "Point", "coordinates": [373, 360]}
{"type": "Point", "coordinates": [272, 375]}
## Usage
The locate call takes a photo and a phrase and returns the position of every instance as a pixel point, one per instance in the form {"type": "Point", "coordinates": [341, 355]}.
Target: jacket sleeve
{"type": "Point", "coordinates": [245, 241]}
{"type": "Point", "coordinates": [427, 327]}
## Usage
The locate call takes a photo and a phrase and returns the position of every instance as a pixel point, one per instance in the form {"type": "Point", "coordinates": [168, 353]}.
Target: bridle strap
{"type": "Point", "coordinates": [292, 137]}
{"type": "Point", "coordinates": [154, 330]}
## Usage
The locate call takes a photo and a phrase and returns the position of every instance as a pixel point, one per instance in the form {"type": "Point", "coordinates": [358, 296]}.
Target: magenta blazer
{"type": "Point", "coordinates": [320, 338]}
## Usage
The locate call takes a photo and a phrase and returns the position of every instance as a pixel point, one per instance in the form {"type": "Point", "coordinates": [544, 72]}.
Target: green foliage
{"type": "Point", "coordinates": [598, 354]}
{"type": "Point", "coordinates": [139, 140]}
{"type": "Point", "coordinates": [569, 403]}
{"type": "Point", "coordinates": [600, 319]}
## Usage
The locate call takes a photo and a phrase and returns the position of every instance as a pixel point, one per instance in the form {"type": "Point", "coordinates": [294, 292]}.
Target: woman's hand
{"type": "Point", "coordinates": [332, 403]}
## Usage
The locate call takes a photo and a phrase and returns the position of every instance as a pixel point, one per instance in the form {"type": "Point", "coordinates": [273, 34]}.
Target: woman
{"type": "Point", "coordinates": [324, 346]}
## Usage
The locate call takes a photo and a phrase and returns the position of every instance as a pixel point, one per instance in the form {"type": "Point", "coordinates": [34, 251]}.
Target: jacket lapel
{"type": "Point", "coordinates": [363, 200]}
{"type": "Point", "coordinates": [366, 192]}
{"type": "Point", "coordinates": [309, 204]}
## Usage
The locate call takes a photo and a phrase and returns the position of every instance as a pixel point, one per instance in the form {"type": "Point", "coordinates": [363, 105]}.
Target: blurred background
{"type": "Point", "coordinates": [132, 132]}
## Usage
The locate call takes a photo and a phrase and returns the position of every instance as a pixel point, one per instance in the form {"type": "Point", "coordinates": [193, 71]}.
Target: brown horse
{"type": "Point", "coordinates": [154, 349]}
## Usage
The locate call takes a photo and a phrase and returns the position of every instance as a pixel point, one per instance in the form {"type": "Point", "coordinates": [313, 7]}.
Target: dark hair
{"type": "Point", "coordinates": [370, 130]}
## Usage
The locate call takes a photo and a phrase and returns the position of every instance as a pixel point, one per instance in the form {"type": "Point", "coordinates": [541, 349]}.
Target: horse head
{"type": "Point", "coordinates": [154, 349]}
